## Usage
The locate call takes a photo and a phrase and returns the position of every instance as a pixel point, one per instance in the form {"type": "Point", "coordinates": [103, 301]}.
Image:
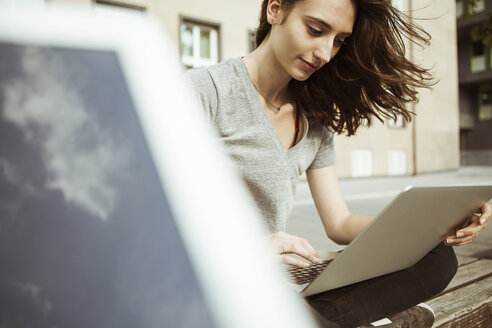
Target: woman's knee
{"type": "Point", "coordinates": [442, 267]}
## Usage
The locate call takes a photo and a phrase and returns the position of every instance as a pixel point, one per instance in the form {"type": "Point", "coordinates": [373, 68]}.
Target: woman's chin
{"type": "Point", "coordinates": [300, 77]}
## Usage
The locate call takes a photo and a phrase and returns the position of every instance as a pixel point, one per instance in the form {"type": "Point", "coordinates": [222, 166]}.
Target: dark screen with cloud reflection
{"type": "Point", "coordinates": [86, 236]}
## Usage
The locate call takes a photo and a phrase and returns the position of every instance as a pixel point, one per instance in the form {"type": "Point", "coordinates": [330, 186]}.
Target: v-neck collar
{"type": "Point", "coordinates": [262, 115]}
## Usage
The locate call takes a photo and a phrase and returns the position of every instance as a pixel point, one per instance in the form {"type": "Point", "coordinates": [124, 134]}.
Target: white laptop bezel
{"type": "Point", "coordinates": [243, 284]}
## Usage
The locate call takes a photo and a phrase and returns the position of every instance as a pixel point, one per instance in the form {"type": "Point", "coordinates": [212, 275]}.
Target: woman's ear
{"type": "Point", "coordinates": [273, 11]}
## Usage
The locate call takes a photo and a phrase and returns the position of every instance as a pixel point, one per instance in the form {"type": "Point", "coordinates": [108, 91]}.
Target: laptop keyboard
{"type": "Point", "coordinates": [302, 276]}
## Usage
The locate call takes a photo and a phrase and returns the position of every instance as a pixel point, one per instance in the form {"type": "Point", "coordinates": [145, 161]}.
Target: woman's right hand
{"type": "Point", "coordinates": [285, 243]}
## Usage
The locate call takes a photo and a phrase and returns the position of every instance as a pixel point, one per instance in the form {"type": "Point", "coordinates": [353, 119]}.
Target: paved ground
{"type": "Point", "coordinates": [370, 195]}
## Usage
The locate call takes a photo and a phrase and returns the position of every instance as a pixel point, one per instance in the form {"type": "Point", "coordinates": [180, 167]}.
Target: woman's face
{"type": "Point", "coordinates": [310, 35]}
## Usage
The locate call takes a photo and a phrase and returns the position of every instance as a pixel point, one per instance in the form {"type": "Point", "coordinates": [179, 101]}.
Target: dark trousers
{"type": "Point", "coordinates": [374, 299]}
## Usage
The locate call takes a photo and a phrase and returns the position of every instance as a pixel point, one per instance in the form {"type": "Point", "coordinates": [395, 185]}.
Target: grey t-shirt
{"type": "Point", "coordinates": [230, 102]}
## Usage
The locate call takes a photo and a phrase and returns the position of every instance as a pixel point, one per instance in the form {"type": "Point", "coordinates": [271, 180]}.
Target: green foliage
{"type": "Point", "coordinates": [470, 5]}
{"type": "Point", "coordinates": [468, 8]}
{"type": "Point", "coordinates": [482, 32]}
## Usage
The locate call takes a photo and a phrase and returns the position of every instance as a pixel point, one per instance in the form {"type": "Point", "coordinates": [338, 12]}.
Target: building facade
{"type": "Point", "coordinates": [206, 32]}
{"type": "Point", "coordinates": [475, 84]}
{"type": "Point", "coordinates": [430, 142]}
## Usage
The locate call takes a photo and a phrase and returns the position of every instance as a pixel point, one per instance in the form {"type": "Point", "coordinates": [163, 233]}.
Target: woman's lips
{"type": "Point", "coordinates": [308, 66]}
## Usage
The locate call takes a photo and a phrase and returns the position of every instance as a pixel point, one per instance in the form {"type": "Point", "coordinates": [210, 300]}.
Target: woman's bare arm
{"type": "Point", "coordinates": [340, 225]}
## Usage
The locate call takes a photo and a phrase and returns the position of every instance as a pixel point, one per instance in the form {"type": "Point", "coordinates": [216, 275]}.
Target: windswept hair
{"type": "Point", "coordinates": [369, 77]}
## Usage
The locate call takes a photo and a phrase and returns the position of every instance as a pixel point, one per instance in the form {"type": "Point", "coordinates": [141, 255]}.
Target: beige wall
{"type": "Point", "coordinates": [437, 124]}
{"type": "Point", "coordinates": [235, 18]}
{"type": "Point", "coordinates": [433, 136]}
{"type": "Point", "coordinates": [380, 140]}
{"type": "Point", "coordinates": [430, 142]}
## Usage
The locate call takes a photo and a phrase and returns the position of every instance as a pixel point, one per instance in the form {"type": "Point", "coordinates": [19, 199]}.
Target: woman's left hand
{"type": "Point", "coordinates": [471, 227]}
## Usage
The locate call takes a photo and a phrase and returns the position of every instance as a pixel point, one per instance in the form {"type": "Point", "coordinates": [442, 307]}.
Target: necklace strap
{"type": "Point", "coordinates": [268, 100]}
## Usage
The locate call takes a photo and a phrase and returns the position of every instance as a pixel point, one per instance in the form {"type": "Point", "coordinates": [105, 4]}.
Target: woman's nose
{"type": "Point", "coordinates": [324, 50]}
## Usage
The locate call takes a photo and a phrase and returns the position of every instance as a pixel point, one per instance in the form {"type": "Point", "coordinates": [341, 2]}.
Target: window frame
{"type": "Point", "coordinates": [480, 6]}
{"type": "Point", "coordinates": [121, 5]}
{"type": "Point", "coordinates": [361, 162]}
{"type": "Point", "coordinates": [398, 4]}
{"type": "Point", "coordinates": [401, 122]}
{"type": "Point", "coordinates": [251, 40]}
{"type": "Point", "coordinates": [473, 57]}
{"type": "Point", "coordinates": [395, 157]}
{"type": "Point", "coordinates": [196, 60]}
{"type": "Point", "coordinates": [481, 90]}
{"type": "Point", "coordinates": [460, 9]}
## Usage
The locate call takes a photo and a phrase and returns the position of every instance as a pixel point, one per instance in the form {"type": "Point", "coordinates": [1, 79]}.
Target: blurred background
{"type": "Point", "coordinates": [449, 141]}
{"type": "Point", "coordinates": [454, 119]}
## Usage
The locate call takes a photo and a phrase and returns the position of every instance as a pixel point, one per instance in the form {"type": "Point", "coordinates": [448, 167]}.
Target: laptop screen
{"type": "Point", "coordinates": [87, 238]}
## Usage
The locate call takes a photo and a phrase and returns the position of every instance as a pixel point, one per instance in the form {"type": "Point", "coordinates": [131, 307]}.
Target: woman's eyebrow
{"type": "Point", "coordinates": [328, 26]}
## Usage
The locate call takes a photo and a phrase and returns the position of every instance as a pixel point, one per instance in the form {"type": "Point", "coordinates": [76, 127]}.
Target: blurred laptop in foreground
{"type": "Point", "coordinates": [116, 207]}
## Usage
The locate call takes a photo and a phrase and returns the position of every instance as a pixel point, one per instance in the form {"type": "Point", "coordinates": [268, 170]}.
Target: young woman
{"type": "Point", "coordinates": [323, 67]}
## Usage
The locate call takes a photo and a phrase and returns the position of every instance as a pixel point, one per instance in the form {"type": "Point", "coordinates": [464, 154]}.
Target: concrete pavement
{"type": "Point", "coordinates": [370, 195]}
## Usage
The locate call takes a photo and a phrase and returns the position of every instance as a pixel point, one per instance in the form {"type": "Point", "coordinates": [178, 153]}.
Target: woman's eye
{"type": "Point", "coordinates": [314, 31]}
{"type": "Point", "coordinates": [340, 42]}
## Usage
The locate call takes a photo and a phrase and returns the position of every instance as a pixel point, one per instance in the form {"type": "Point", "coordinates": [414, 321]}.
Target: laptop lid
{"type": "Point", "coordinates": [415, 222]}
{"type": "Point", "coordinates": [116, 207]}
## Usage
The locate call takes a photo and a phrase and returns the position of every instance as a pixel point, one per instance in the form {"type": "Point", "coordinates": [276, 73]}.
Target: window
{"type": "Point", "coordinates": [476, 6]}
{"type": "Point", "coordinates": [485, 103]}
{"type": "Point", "coordinates": [398, 124]}
{"type": "Point", "coordinates": [459, 9]}
{"type": "Point", "coordinates": [199, 43]}
{"type": "Point", "coordinates": [398, 4]}
{"type": "Point", "coordinates": [397, 162]}
{"type": "Point", "coordinates": [365, 122]}
{"type": "Point", "coordinates": [361, 163]}
{"type": "Point", "coordinates": [116, 9]}
{"type": "Point", "coordinates": [251, 40]}
{"type": "Point", "coordinates": [478, 61]}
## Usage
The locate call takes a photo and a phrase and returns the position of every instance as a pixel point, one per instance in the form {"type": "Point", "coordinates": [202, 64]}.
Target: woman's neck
{"type": "Point", "coordinates": [267, 74]}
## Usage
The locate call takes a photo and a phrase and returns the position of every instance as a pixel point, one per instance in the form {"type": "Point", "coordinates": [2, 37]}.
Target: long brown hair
{"type": "Point", "coordinates": [369, 77]}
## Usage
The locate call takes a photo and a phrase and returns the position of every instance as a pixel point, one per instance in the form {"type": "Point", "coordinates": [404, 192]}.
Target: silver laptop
{"type": "Point", "coordinates": [416, 221]}
{"type": "Point", "coordinates": [115, 204]}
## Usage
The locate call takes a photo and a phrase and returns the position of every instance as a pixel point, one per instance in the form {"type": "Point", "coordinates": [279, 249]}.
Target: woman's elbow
{"type": "Point", "coordinates": [336, 235]}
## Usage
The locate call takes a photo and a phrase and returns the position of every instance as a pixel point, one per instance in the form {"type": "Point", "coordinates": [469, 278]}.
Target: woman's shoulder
{"type": "Point", "coordinates": [318, 130]}
{"type": "Point", "coordinates": [221, 72]}
{"type": "Point", "coordinates": [213, 84]}
{"type": "Point", "coordinates": [220, 81]}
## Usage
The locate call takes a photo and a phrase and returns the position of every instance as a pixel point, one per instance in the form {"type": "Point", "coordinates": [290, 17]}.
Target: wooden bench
{"type": "Point", "coordinates": [467, 301]}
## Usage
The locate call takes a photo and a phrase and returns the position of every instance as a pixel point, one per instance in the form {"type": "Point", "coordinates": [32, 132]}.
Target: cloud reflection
{"type": "Point", "coordinates": [46, 104]}
{"type": "Point", "coordinates": [35, 295]}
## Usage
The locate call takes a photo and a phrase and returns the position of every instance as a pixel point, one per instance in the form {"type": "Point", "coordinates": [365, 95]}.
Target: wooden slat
{"type": "Point", "coordinates": [459, 304]}
{"type": "Point", "coordinates": [478, 249]}
{"type": "Point", "coordinates": [478, 318]}
{"type": "Point", "coordinates": [469, 273]}
{"type": "Point", "coordinates": [464, 260]}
